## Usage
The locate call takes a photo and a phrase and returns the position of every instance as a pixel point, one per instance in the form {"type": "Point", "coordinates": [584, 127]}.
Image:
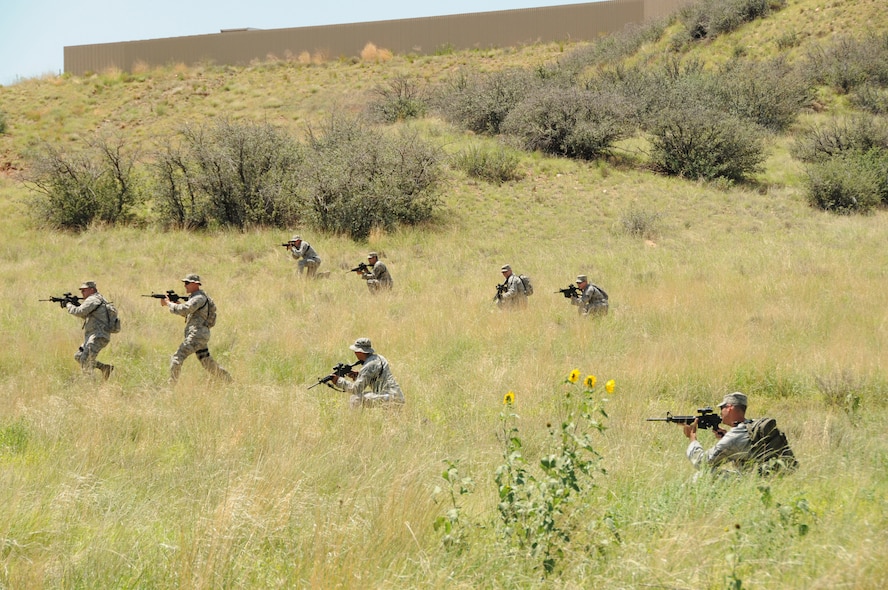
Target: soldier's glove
{"type": "Point", "coordinates": [568, 295]}
{"type": "Point", "coordinates": [63, 304]}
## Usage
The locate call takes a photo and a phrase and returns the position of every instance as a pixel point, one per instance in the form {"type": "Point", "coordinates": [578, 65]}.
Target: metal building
{"type": "Point", "coordinates": [503, 28]}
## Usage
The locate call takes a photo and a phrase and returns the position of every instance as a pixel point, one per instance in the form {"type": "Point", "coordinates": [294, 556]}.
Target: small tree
{"type": "Point", "coordinates": [77, 187]}
{"type": "Point", "coordinates": [697, 142]}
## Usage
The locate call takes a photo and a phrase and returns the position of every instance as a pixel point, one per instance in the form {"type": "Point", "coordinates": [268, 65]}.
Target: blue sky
{"type": "Point", "coordinates": [33, 33]}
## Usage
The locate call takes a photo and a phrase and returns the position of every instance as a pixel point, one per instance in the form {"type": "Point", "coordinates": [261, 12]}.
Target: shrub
{"type": "Point", "coordinates": [609, 48]}
{"type": "Point", "coordinates": [497, 165]}
{"type": "Point", "coordinates": [569, 121]}
{"type": "Point", "coordinates": [356, 178]}
{"type": "Point", "coordinates": [871, 98]}
{"type": "Point", "coordinates": [708, 19]}
{"type": "Point", "coordinates": [770, 93]}
{"type": "Point", "coordinates": [233, 174]}
{"type": "Point", "coordinates": [847, 63]}
{"type": "Point", "coordinates": [3, 126]}
{"type": "Point", "coordinates": [398, 100]}
{"type": "Point", "coordinates": [76, 188]}
{"type": "Point", "coordinates": [851, 182]}
{"type": "Point", "coordinates": [698, 142]}
{"type": "Point", "coordinates": [839, 135]}
{"type": "Point", "coordinates": [480, 103]}
{"type": "Point", "coordinates": [640, 223]}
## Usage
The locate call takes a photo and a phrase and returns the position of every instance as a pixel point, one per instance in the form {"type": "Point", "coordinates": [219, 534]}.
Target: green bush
{"type": "Point", "coordinates": [771, 94]}
{"type": "Point", "coordinates": [851, 182]}
{"type": "Point", "coordinates": [871, 98]}
{"type": "Point", "coordinates": [75, 188]}
{"type": "Point", "coordinates": [398, 100]}
{"type": "Point", "coordinates": [697, 142]}
{"type": "Point", "coordinates": [356, 178]}
{"type": "Point", "coordinates": [231, 174]}
{"type": "Point", "coordinates": [707, 19]}
{"type": "Point", "coordinates": [846, 62]}
{"type": "Point", "coordinates": [481, 103]}
{"type": "Point", "coordinates": [569, 121]}
{"type": "Point", "coordinates": [840, 135]}
{"type": "Point", "coordinates": [497, 165]}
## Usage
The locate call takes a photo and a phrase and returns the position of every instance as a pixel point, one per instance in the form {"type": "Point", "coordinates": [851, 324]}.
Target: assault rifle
{"type": "Point", "coordinates": [500, 289]}
{"type": "Point", "coordinates": [706, 417]}
{"type": "Point", "coordinates": [570, 291]}
{"type": "Point", "coordinates": [287, 244]}
{"type": "Point", "coordinates": [64, 300]}
{"type": "Point", "coordinates": [362, 268]}
{"type": "Point", "coordinates": [171, 295]}
{"type": "Point", "coordinates": [340, 370]}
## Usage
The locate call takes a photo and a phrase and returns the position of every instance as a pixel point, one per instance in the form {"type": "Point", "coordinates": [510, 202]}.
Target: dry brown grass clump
{"type": "Point", "coordinates": [375, 54]}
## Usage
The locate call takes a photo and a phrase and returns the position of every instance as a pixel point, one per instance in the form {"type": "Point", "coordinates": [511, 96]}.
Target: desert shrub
{"type": "Point", "coordinates": [480, 103]}
{"type": "Point", "coordinates": [497, 165]}
{"type": "Point", "coordinates": [400, 99]}
{"type": "Point", "coordinates": [231, 174]}
{"type": "Point", "coordinates": [569, 122]}
{"type": "Point", "coordinates": [639, 223]}
{"type": "Point", "coordinates": [699, 142]}
{"type": "Point", "coordinates": [840, 135]}
{"type": "Point", "coordinates": [708, 19]}
{"type": "Point", "coordinates": [356, 178]}
{"type": "Point", "coordinates": [851, 182]}
{"type": "Point", "coordinates": [847, 63]}
{"type": "Point", "coordinates": [609, 49]}
{"type": "Point", "coordinates": [770, 93]}
{"type": "Point", "coordinates": [871, 98]}
{"type": "Point", "coordinates": [78, 187]}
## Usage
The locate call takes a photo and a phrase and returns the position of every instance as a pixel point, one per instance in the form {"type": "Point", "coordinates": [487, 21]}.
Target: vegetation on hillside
{"type": "Point", "coordinates": [521, 458]}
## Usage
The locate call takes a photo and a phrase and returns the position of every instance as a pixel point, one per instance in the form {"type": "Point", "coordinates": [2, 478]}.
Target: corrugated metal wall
{"type": "Point", "coordinates": [417, 35]}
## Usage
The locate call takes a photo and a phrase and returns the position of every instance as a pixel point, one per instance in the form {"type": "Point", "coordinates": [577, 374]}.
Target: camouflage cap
{"type": "Point", "coordinates": [88, 285]}
{"type": "Point", "coordinates": [192, 278]}
{"type": "Point", "coordinates": [372, 255]}
{"type": "Point", "coordinates": [362, 345]}
{"type": "Point", "coordinates": [296, 238]}
{"type": "Point", "coordinates": [582, 279]}
{"type": "Point", "coordinates": [505, 268]}
{"type": "Point", "coordinates": [734, 399]}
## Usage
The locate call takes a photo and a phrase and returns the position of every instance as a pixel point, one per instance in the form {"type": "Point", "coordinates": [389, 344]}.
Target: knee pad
{"type": "Point", "coordinates": [203, 353]}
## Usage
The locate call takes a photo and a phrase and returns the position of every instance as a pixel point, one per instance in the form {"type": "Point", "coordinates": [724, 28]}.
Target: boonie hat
{"type": "Point", "coordinates": [296, 239]}
{"type": "Point", "coordinates": [362, 345]}
{"type": "Point", "coordinates": [581, 279]}
{"type": "Point", "coordinates": [505, 268]}
{"type": "Point", "coordinates": [192, 278]}
{"type": "Point", "coordinates": [88, 285]}
{"type": "Point", "coordinates": [372, 255]}
{"type": "Point", "coordinates": [734, 399]}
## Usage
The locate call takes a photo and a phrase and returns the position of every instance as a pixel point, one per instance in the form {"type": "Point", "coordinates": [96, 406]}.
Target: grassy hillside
{"type": "Point", "coordinates": [264, 483]}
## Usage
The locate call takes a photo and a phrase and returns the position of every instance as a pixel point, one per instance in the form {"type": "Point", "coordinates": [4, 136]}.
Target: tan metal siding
{"type": "Point", "coordinates": [418, 35]}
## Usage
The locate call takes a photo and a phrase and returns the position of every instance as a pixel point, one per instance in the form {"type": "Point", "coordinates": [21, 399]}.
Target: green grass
{"type": "Point", "coordinates": [264, 483]}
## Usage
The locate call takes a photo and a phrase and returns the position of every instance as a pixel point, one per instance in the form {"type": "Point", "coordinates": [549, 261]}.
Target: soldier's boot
{"type": "Point", "coordinates": [105, 369]}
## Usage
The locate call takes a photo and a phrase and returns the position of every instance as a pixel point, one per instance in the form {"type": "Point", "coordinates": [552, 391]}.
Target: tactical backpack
{"type": "Point", "coordinates": [113, 318]}
{"type": "Point", "coordinates": [769, 450]}
{"type": "Point", "coordinates": [211, 312]}
{"type": "Point", "coordinates": [527, 284]}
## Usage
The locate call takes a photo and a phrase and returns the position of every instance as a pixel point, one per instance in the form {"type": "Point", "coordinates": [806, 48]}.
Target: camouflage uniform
{"type": "Point", "coordinates": [309, 261]}
{"type": "Point", "coordinates": [733, 448]}
{"type": "Point", "coordinates": [197, 334]}
{"type": "Point", "coordinates": [514, 295]}
{"type": "Point", "coordinates": [96, 334]}
{"type": "Point", "coordinates": [377, 277]}
{"type": "Point", "coordinates": [593, 301]}
{"type": "Point", "coordinates": [375, 375]}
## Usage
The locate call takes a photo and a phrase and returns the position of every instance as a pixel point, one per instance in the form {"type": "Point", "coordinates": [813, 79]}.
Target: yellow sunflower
{"type": "Point", "coordinates": [609, 386]}
{"type": "Point", "coordinates": [590, 381]}
{"type": "Point", "coordinates": [509, 398]}
{"type": "Point", "coordinates": [574, 376]}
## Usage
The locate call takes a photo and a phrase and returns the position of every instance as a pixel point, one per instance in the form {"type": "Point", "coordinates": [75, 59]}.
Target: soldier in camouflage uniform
{"type": "Point", "coordinates": [378, 277]}
{"type": "Point", "coordinates": [96, 329]}
{"type": "Point", "coordinates": [309, 261]}
{"type": "Point", "coordinates": [375, 375]}
{"type": "Point", "coordinates": [592, 299]}
{"type": "Point", "coordinates": [733, 445]}
{"type": "Point", "coordinates": [513, 296]}
{"type": "Point", "coordinates": [199, 313]}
